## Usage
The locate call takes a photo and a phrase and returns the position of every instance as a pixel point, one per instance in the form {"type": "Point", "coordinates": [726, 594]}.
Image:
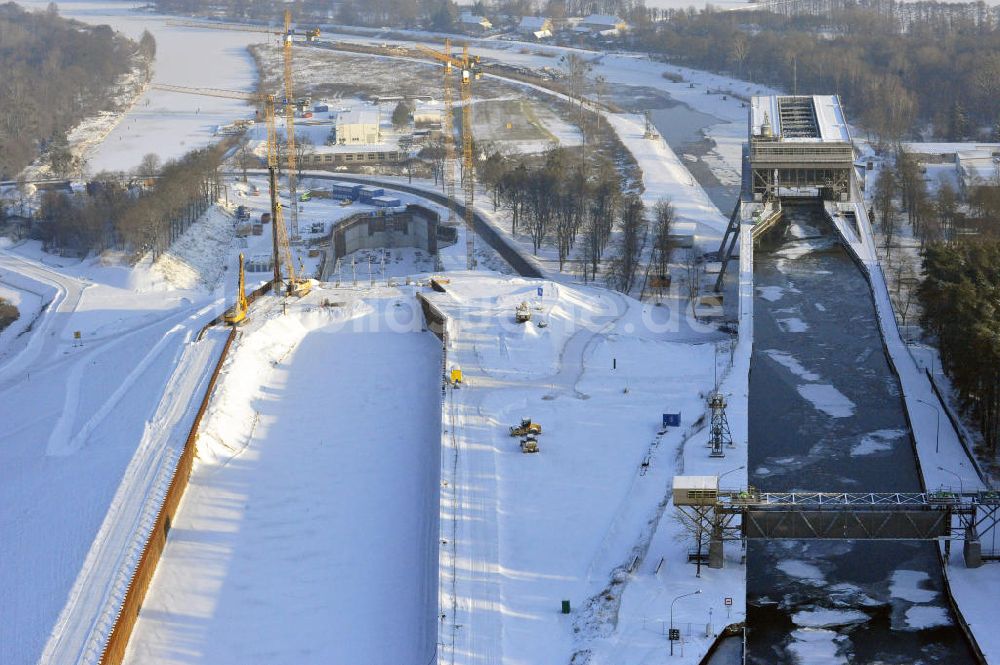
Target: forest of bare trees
{"type": "Point", "coordinates": [939, 71]}
{"type": "Point", "coordinates": [136, 213]}
{"type": "Point", "coordinates": [53, 73]}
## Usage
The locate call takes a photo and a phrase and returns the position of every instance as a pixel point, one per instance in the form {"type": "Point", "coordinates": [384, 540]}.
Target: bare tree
{"type": "Point", "coordinates": [663, 214]}
{"type": "Point", "coordinates": [885, 192]}
{"type": "Point", "coordinates": [624, 266]}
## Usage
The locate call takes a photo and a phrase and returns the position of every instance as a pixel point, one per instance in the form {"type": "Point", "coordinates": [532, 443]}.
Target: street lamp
{"type": "Point", "coordinates": [937, 433]}
{"type": "Point", "coordinates": [721, 476]}
{"type": "Point", "coordinates": [683, 595]}
{"type": "Point", "coordinates": [961, 488]}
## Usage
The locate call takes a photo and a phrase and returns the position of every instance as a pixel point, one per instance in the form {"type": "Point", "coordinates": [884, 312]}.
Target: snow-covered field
{"type": "Point", "coordinates": [525, 532]}
{"type": "Point", "coordinates": [75, 413]}
{"type": "Point", "coordinates": [309, 531]}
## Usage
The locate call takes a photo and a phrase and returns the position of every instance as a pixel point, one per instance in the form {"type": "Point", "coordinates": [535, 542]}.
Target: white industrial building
{"type": "Point", "coordinates": [358, 127]}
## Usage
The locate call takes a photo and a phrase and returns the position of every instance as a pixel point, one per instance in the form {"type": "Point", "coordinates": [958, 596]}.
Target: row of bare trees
{"type": "Point", "coordinates": [138, 213]}
{"type": "Point", "coordinates": [581, 210]}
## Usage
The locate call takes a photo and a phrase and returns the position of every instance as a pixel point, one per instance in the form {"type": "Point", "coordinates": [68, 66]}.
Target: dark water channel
{"type": "Point", "coordinates": [826, 414]}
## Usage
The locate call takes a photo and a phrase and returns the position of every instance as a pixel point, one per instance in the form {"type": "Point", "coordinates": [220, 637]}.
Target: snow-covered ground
{"type": "Point", "coordinates": [309, 531]}
{"type": "Point", "coordinates": [524, 532]}
{"type": "Point", "coordinates": [76, 413]}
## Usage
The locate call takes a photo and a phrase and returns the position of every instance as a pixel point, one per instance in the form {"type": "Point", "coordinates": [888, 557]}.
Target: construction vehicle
{"type": "Point", "coordinates": [529, 444]}
{"type": "Point", "coordinates": [526, 428]}
{"type": "Point", "coordinates": [522, 314]}
{"type": "Point", "coordinates": [469, 66]}
{"type": "Point", "coordinates": [456, 378]}
{"type": "Point", "coordinates": [238, 312]}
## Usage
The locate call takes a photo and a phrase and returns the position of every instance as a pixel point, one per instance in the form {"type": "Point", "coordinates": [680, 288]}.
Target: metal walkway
{"type": "Point", "coordinates": [740, 515]}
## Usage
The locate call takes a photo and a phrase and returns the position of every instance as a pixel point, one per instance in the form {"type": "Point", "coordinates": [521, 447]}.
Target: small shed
{"type": "Point", "coordinates": [345, 190]}
{"type": "Point", "coordinates": [366, 193]}
{"type": "Point", "coordinates": [385, 202]}
{"type": "Point", "coordinates": [696, 490]}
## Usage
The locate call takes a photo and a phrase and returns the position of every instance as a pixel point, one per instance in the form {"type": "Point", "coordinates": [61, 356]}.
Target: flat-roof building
{"type": "Point", "coordinates": [799, 144]}
{"type": "Point", "coordinates": [359, 126]}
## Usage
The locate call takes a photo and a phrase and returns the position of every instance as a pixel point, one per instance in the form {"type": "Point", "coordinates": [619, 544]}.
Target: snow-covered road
{"type": "Point", "coordinates": [75, 412]}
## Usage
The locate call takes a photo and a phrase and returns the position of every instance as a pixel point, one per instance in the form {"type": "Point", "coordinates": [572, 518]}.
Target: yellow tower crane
{"type": "Point", "coordinates": [469, 66]}
{"type": "Point", "coordinates": [290, 127]}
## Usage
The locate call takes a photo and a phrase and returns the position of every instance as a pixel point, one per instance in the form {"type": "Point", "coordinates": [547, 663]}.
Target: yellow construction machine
{"type": "Point", "coordinates": [527, 427]}
{"type": "Point", "coordinates": [238, 312]}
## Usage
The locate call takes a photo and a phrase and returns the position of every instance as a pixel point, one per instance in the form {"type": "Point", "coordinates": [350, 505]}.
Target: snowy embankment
{"type": "Point", "coordinates": [310, 522]}
{"type": "Point", "coordinates": [197, 258]}
{"type": "Point", "coordinates": [665, 177]}
{"type": "Point", "coordinates": [586, 518]}
{"type": "Point", "coordinates": [944, 462]}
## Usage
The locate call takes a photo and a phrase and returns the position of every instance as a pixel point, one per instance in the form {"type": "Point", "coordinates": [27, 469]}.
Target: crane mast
{"type": "Point", "coordinates": [290, 128]}
{"type": "Point", "coordinates": [469, 66]}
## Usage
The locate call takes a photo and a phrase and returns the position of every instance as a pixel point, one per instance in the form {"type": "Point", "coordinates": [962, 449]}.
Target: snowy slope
{"type": "Point", "coordinates": [309, 531]}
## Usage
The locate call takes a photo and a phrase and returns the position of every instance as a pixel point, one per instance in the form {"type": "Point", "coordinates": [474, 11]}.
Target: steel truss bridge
{"type": "Point", "coordinates": [942, 515]}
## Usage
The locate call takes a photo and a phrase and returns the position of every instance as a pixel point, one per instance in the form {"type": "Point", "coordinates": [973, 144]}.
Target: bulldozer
{"type": "Point", "coordinates": [529, 444]}
{"type": "Point", "coordinates": [238, 312]}
{"type": "Point", "coordinates": [526, 428]}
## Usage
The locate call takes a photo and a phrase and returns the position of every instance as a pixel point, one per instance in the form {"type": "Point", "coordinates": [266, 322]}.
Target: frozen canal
{"type": "Point", "coordinates": [826, 414]}
{"type": "Point", "coordinates": [169, 124]}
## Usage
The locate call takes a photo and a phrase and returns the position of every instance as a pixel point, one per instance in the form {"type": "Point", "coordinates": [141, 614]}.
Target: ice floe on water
{"type": "Point", "coordinates": [793, 325]}
{"type": "Point", "coordinates": [817, 646]}
{"type": "Point", "coordinates": [919, 617]}
{"type": "Point", "coordinates": [799, 248]}
{"type": "Point", "coordinates": [827, 399]}
{"type": "Point", "coordinates": [905, 584]}
{"type": "Point", "coordinates": [819, 306]}
{"type": "Point", "coordinates": [800, 231]}
{"type": "Point", "coordinates": [827, 618]}
{"type": "Point", "coordinates": [771, 293]}
{"type": "Point", "coordinates": [802, 571]}
{"type": "Point", "coordinates": [878, 441]}
{"type": "Point", "coordinates": [792, 364]}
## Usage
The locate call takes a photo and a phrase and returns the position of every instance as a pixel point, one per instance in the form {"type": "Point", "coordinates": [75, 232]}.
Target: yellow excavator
{"type": "Point", "coordinates": [238, 312]}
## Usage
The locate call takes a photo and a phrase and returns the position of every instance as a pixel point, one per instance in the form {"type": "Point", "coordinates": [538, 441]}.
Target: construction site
{"type": "Point", "coordinates": [388, 428]}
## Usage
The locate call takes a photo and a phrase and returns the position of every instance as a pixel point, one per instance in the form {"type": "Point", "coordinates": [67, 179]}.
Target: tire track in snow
{"type": "Point", "coordinates": [106, 571]}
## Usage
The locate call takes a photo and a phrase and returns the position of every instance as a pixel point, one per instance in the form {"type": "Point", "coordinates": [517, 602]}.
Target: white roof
{"type": "Point", "coordinates": [831, 124]}
{"type": "Point", "coordinates": [696, 482]}
{"type": "Point", "coordinates": [533, 23]}
{"type": "Point", "coordinates": [358, 117]}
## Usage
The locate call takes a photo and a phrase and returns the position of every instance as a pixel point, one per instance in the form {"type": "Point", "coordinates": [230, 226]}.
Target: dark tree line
{"type": "Point", "coordinates": [892, 76]}
{"type": "Point", "coordinates": [53, 73]}
{"type": "Point", "coordinates": [139, 213]}
{"type": "Point", "coordinates": [559, 201]}
{"type": "Point", "coordinates": [959, 296]}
